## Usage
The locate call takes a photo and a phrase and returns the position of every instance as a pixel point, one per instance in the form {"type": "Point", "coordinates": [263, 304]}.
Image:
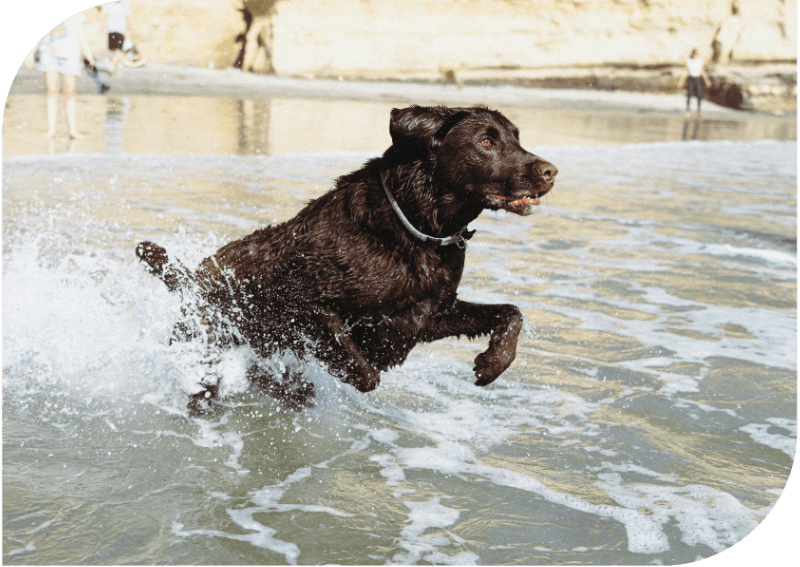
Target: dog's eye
{"type": "Point", "coordinates": [486, 142]}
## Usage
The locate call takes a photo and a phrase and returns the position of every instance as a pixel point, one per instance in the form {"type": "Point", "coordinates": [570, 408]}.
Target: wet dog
{"type": "Point", "coordinates": [370, 269]}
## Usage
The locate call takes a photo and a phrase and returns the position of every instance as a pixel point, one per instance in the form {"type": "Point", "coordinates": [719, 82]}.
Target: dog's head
{"type": "Point", "coordinates": [476, 155]}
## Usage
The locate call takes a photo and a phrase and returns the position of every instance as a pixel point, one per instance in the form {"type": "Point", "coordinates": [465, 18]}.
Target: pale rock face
{"type": "Point", "coordinates": [768, 31]}
{"type": "Point", "coordinates": [199, 33]}
{"type": "Point", "coordinates": [432, 38]}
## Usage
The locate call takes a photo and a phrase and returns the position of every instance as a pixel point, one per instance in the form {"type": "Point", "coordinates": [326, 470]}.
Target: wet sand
{"type": "Point", "coordinates": [162, 109]}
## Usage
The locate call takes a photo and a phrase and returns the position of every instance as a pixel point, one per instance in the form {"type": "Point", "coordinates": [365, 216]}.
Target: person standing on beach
{"type": "Point", "coordinates": [60, 54]}
{"type": "Point", "coordinates": [695, 76]}
{"type": "Point", "coordinates": [117, 16]}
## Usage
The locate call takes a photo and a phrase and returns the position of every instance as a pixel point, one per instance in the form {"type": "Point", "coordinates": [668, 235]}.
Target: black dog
{"type": "Point", "coordinates": [368, 270]}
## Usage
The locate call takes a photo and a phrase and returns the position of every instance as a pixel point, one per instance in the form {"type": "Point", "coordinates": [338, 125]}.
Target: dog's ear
{"type": "Point", "coordinates": [413, 128]}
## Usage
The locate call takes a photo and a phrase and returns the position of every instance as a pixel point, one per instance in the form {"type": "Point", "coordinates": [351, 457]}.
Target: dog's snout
{"type": "Point", "coordinates": [539, 168]}
{"type": "Point", "coordinates": [547, 171]}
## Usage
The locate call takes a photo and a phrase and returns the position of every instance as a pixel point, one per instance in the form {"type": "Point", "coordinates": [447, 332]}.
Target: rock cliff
{"type": "Point", "coordinates": [596, 43]}
{"type": "Point", "coordinates": [422, 38]}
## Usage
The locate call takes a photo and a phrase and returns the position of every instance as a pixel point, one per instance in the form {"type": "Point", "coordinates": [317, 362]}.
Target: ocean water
{"type": "Point", "coordinates": [650, 417]}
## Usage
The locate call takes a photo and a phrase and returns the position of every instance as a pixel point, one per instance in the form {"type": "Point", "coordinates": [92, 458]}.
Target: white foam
{"type": "Point", "coordinates": [265, 501]}
{"type": "Point", "coordinates": [209, 437]}
{"type": "Point", "coordinates": [770, 256]}
{"type": "Point", "coordinates": [424, 516]}
{"type": "Point", "coordinates": [606, 452]}
{"type": "Point", "coordinates": [262, 536]}
{"type": "Point", "coordinates": [770, 327]}
{"type": "Point", "coordinates": [479, 417]}
{"type": "Point", "coordinates": [638, 469]}
{"type": "Point", "coordinates": [457, 425]}
{"type": "Point", "coordinates": [644, 534]}
{"type": "Point", "coordinates": [759, 432]}
{"type": "Point", "coordinates": [30, 547]}
{"type": "Point", "coordinates": [707, 408]}
{"type": "Point", "coordinates": [703, 515]}
{"type": "Point", "coordinates": [72, 317]}
{"type": "Point", "coordinates": [427, 515]}
{"type": "Point", "coordinates": [386, 436]}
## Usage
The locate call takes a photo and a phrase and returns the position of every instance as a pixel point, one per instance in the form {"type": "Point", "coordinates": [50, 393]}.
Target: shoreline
{"type": "Point", "coordinates": [168, 80]}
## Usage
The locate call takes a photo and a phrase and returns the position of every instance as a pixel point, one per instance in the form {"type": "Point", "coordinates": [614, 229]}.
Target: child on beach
{"type": "Point", "coordinates": [117, 16]}
{"type": "Point", "coordinates": [695, 76]}
{"type": "Point", "coordinates": [60, 54]}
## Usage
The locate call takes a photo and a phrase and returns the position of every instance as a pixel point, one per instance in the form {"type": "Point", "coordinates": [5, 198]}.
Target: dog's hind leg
{"type": "Point", "coordinates": [289, 387]}
{"type": "Point", "coordinates": [199, 322]}
{"type": "Point", "coordinates": [343, 355]}
{"type": "Point", "coordinates": [201, 402]}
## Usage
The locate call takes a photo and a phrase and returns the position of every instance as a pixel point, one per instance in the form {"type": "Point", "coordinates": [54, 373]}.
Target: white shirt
{"type": "Point", "coordinates": [116, 13]}
{"type": "Point", "coordinates": [63, 40]}
{"type": "Point", "coordinates": [695, 66]}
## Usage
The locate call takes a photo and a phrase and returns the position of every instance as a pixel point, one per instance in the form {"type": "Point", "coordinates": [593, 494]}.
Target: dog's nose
{"type": "Point", "coordinates": [547, 171]}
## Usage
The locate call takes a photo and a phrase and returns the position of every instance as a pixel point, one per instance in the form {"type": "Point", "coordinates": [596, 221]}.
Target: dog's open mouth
{"type": "Point", "coordinates": [519, 205]}
{"type": "Point", "coordinates": [525, 201]}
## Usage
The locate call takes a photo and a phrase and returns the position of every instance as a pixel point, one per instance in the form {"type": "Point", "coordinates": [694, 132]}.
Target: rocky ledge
{"type": "Point", "coordinates": [762, 87]}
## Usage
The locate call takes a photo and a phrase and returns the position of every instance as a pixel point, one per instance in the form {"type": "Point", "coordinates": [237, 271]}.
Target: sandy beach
{"type": "Point", "coordinates": [185, 110]}
{"type": "Point", "coordinates": [193, 81]}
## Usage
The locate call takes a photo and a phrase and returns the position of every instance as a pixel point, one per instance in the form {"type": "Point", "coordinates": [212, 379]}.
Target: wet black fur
{"type": "Point", "coordinates": [344, 281]}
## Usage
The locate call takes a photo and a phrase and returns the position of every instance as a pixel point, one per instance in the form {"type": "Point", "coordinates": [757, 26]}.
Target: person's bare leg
{"type": "Point", "coordinates": [71, 106]}
{"type": "Point", "coordinates": [116, 61]}
{"type": "Point", "coordinates": [51, 78]}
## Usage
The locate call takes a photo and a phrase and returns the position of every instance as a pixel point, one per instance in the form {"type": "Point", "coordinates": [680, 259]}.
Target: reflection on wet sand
{"type": "Point", "coordinates": [115, 124]}
{"type": "Point", "coordinates": [145, 124]}
{"type": "Point", "coordinates": [695, 129]}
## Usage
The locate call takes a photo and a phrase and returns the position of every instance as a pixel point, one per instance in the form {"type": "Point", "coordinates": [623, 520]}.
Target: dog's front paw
{"type": "Point", "coordinates": [363, 383]}
{"type": "Point", "coordinates": [491, 364]}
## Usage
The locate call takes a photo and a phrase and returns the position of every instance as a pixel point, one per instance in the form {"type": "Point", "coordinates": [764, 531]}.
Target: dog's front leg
{"type": "Point", "coordinates": [345, 356]}
{"type": "Point", "coordinates": [503, 322]}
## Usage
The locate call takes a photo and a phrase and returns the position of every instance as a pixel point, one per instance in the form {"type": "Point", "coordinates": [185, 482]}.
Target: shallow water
{"type": "Point", "coordinates": [650, 415]}
{"type": "Point", "coordinates": [144, 124]}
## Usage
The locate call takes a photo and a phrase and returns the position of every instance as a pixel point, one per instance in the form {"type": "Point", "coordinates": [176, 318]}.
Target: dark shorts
{"type": "Point", "coordinates": [694, 87]}
{"type": "Point", "coordinates": [115, 41]}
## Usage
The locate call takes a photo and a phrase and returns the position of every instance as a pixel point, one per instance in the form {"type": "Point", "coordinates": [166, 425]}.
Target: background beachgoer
{"type": "Point", "coordinates": [117, 17]}
{"type": "Point", "coordinates": [694, 75]}
{"type": "Point", "coordinates": [60, 54]}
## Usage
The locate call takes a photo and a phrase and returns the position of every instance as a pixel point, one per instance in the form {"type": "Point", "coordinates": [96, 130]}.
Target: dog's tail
{"type": "Point", "coordinates": [175, 275]}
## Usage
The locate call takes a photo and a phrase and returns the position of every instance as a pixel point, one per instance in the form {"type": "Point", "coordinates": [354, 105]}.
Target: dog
{"type": "Point", "coordinates": [371, 268]}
